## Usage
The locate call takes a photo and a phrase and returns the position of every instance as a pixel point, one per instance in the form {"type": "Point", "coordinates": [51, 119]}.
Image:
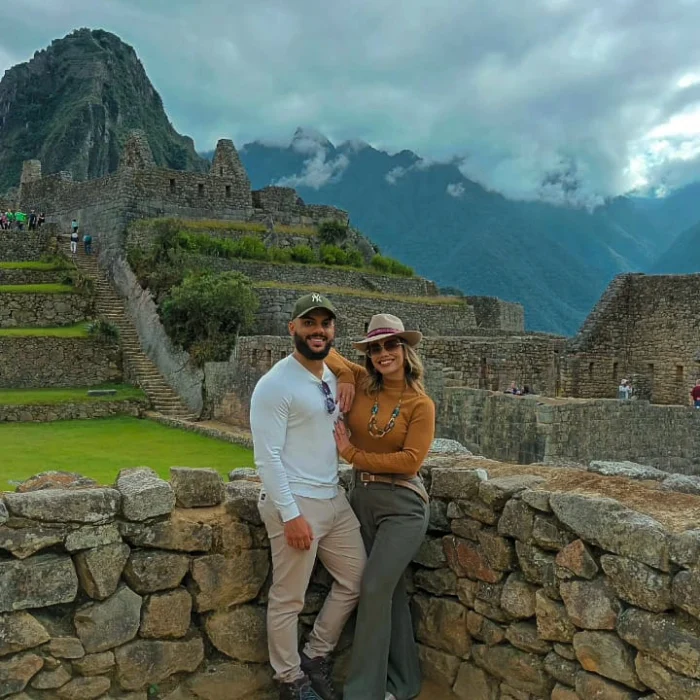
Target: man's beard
{"type": "Point", "coordinates": [301, 345]}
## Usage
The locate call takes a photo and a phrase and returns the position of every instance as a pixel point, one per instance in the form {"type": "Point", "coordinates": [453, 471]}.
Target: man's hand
{"type": "Point", "coordinates": [298, 533]}
{"type": "Point", "coordinates": [346, 395]}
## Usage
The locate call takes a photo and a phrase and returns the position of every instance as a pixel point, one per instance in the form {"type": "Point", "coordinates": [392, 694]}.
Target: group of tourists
{"type": "Point", "coordinates": [309, 408]}
{"type": "Point", "coordinates": [15, 219]}
{"type": "Point", "coordinates": [75, 239]}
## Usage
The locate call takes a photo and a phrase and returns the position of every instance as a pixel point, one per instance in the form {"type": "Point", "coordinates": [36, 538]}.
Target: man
{"type": "Point", "coordinates": [293, 411]}
{"type": "Point", "coordinates": [695, 394]}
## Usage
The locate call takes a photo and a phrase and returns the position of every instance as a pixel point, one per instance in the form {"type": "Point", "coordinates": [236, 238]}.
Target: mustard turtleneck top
{"type": "Point", "coordinates": [400, 451]}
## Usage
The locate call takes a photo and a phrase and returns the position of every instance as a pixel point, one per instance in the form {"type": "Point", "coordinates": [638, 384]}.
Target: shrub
{"type": "Point", "coordinates": [391, 266]}
{"type": "Point", "coordinates": [208, 311]}
{"type": "Point", "coordinates": [280, 255]}
{"type": "Point", "coordinates": [79, 281]}
{"type": "Point", "coordinates": [302, 254]}
{"type": "Point", "coordinates": [103, 330]}
{"type": "Point", "coordinates": [332, 232]}
{"type": "Point", "coordinates": [334, 255]}
{"type": "Point", "coordinates": [355, 257]}
{"type": "Point", "coordinates": [251, 248]}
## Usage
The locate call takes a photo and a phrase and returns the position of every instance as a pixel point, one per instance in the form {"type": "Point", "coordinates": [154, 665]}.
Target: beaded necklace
{"type": "Point", "coordinates": [372, 427]}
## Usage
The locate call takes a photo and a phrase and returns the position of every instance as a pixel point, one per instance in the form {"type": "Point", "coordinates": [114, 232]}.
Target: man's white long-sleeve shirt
{"type": "Point", "coordinates": [295, 452]}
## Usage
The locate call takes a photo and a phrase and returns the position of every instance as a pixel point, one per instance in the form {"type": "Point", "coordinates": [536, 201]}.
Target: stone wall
{"type": "Point", "coordinates": [24, 276]}
{"type": "Point", "coordinates": [40, 362]}
{"type": "Point", "coordinates": [19, 310]}
{"type": "Point", "coordinates": [644, 328]}
{"type": "Point", "coordinates": [354, 313]}
{"type": "Point", "coordinates": [492, 312]}
{"type": "Point", "coordinates": [536, 429]}
{"type": "Point", "coordinates": [23, 246]}
{"type": "Point", "coordinates": [71, 411]}
{"type": "Point", "coordinates": [533, 583]}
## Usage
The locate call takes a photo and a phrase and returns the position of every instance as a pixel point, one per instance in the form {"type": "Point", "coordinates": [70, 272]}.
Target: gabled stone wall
{"type": "Point", "coordinates": [532, 583]}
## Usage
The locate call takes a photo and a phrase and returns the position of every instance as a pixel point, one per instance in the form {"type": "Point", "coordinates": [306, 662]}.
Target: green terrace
{"type": "Point", "coordinates": [79, 330]}
{"type": "Point", "coordinates": [99, 448]}
{"type": "Point", "coordinates": [363, 293]}
{"type": "Point", "coordinates": [197, 225]}
{"type": "Point", "coordinates": [52, 397]}
{"type": "Point", "coordinates": [38, 266]}
{"type": "Point", "coordinates": [37, 289]}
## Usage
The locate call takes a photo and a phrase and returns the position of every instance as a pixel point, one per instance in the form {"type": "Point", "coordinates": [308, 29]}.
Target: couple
{"type": "Point", "coordinates": [298, 430]}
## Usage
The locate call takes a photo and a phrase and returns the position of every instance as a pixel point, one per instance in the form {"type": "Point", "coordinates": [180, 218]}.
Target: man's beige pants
{"type": "Point", "coordinates": [338, 544]}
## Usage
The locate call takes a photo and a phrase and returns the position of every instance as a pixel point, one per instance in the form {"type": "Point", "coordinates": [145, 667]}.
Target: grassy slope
{"type": "Point", "coordinates": [41, 266]}
{"type": "Point", "coordinates": [100, 448]}
{"type": "Point", "coordinates": [36, 289]}
{"type": "Point", "coordinates": [79, 330]}
{"type": "Point", "coordinates": [46, 397]}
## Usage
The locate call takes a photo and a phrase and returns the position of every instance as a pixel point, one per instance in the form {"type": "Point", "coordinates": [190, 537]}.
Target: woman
{"type": "Point", "coordinates": [390, 428]}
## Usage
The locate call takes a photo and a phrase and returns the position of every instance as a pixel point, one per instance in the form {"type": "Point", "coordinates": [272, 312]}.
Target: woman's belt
{"type": "Point", "coordinates": [369, 478]}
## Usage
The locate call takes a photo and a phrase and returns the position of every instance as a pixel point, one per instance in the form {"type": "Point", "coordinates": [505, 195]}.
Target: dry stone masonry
{"type": "Point", "coordinates": [38, 309]}
{"type": "Point", "coordinates": [532, 583]}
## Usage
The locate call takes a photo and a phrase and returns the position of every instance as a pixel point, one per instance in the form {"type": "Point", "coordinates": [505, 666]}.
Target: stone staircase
{"type": "Point", "coordinates": [141, 369]}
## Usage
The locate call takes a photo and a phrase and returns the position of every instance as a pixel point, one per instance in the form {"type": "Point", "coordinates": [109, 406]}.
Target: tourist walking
{"type": "Point", "coordinates": [74, 243]}
{"type": "Point", "coordinates": [32, 220]}
{"type": "Point", "coordinates": [624, 391]}
{"type": "Point", "coordinates": [87, 243]}
{"type": "Point", "coordinates": [390, 427]}
{"type": "Point", "coordinates": [307, 515]}
{"type": "Point", "coordinates": [695, 394]}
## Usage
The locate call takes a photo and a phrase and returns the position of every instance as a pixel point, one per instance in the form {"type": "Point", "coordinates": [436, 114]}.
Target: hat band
{"type": "Point", "coordinates": [383, 331]}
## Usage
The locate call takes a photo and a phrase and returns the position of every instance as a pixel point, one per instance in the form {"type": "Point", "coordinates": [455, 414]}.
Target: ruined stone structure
{"type": "Point", "coordinates": [532, 584]}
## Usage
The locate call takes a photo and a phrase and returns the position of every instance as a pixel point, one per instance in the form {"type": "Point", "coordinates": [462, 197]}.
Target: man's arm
{"type": "Point", "coordinates": [269, 412]}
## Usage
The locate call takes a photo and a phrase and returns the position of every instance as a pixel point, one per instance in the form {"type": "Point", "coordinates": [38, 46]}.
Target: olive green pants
{"type": "Point", "coordinates": [393, 523]}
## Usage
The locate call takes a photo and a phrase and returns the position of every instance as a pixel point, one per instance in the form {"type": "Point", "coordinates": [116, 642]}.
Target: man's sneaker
{"type": "Point", "coordinates": [320, 673]}
{"type": "Point", "coordinates": [298, 690]}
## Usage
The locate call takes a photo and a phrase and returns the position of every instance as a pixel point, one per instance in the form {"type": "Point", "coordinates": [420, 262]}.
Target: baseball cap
{"type": "Point", "coordinates": [309, 302]}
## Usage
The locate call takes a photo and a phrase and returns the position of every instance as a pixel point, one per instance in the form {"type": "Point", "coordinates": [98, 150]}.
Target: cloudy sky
{"type": "Point", "coordinates": [591, 97]}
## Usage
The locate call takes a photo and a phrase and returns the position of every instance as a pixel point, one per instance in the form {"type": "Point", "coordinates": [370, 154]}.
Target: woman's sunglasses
{"type": "Point", "coordinates": [391, 345]}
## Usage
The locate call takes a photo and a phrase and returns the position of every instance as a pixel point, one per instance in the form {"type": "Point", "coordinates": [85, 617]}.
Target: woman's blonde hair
{"type": "Point", "coordinates": [413, 367]}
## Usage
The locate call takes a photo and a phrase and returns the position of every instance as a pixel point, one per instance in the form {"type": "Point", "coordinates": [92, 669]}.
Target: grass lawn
{"type": "Point", "coordinates": [79, 330]}
{"type": "Point", "coordinates": [45, 397]}
{"type": "Point", "coordinates": [43, 266]}
{"type": "Point", "coordinates": [100, 448]}
{"type": "Point", "coordinates": [36, 289]}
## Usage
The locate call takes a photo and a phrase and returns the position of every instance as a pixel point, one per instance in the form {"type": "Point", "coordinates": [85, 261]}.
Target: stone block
{"type": "Point", "coordinates": [591, 605]}
{"type": "Point", "coordinates": [561, 692]}
{"type": "Point", "coordinates": [547, 534]}
{"type": "Point", "coordinates": [99, 570]}
{"type": "Point", "coordinates": [495, 492]}
{"type": "Point", "coordinates": [520, 669]}
{"type": "Point", "coordinates": [438, 666]}
{"type": "Point", "coordinates": [4, 515]}
{"type": "Point", "coordinates": [517, 520]}
{"type": "Point", "coordinates": [20, 631]}
{"type": "Point", "coordinates": [65, 505]}
{"type": "Point", "coordinates": [638, 583]}
{"type": "Point", "coordinates": [536, 565]}
{"type": "Point", "coordinates": [685, 548]}
{"type": "Point", "coordinates": [466, 528]}
{"type": "Point", "coordinates": [607, 655]}
{"type": "Point", "coordinates": [562, 670]}
{"type": "Point", "coordinates": [553, 623]}
{"type": "Point", "coordinates": [436, 581]}
{"type": "Point", "coordinates": [498, 550]}
{"type": "Point", "coordinates": [84, 688]}
{"type": "Point", "coordinates": [232, 537]}
{"type": "Point", "coordinates": [91, 536]}
{"type": "Point", "coordinates": [144, 494]}
{"type": "Point", "coordinates": [518, 597]}
{"type": "Point", "coordinates": [669, 685]}
{"type": "Point", "coordinates": [25, 541]}
{"type": "Point", "coordinates": [431, 553]}
{"type": "Point", "coordinates": [240, 633]}
{"type": "Point", "coordinates": [50, 679]}
{"type": "Point", "coordinates": [231, 680]}
{"type": "Point", "coordinates": [537, 499]}
{"type": "Point", "coordinates": [109, 623]}
{"type": "Point", "coordinates": [589, 685]}
{"type": "Point", "coordinates": [176, 535]}
{"type": "Point", "coordinates": [196, 488]}
{"type": "Point", "coordinates": [37, 582]}
{"type": "Point", "coordinates": [94, 664]}
{"type": "Point", "coordinates": [242, 501]}
{"type": "Point", "coordinates": [219, 582]}
{"type": "Point", "coordinates": [467, 559]}
{"type": "Point", "coordinates": [456, 482]}
{"type": "Point", "coordinates": [150, 571]}
{"type": "Point", "coordinates": [609, 525]}
{"type": "Point", "coordinates": [667, 638]}
{"type": "Point", "coordinates": [478, 511]}
{"type": "Point", "coordinates": [473, 683]}
{"type": "Point", "coordinates": [442, 624]}
{"type": "Point", "coordinates": [144, 662]}
{"type": "Point", "coordinates": [166, 615]}
{"type": "Point", "coordinates": [523, 636]}
{"type": "Point", "coordinates": [630, 470]}
{"type": "Point", "coordinates": [66, 648]}
{"type": "Point", "coordinates": [575, 560]}
{"type": "Point", "coordinates": [484, 629]}
{"type": "Point", "coordinates": [686, 591]}
{"type": "Point", "coordinates": [17, 671]}
{"type": "Point", "coordinates": [438, 521]}
{"type": "Point", "coordinates": [681, 483]}
{"type": "Point", "coordinates": [466, 591]}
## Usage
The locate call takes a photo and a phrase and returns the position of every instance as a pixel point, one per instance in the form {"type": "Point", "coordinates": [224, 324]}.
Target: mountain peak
{"type": "Point", "coordinates": [309, 140]}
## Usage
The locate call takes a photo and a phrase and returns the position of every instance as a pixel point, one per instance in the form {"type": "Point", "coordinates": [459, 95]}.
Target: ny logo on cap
{"type": "Point", "coordinates": [316, 298]}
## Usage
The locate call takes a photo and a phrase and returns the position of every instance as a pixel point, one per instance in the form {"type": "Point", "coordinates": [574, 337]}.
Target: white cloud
{"type": "Point", "coordinates": [555, 99]}
{"type": "Point", "coordinates": [456, 189]}
{"type": "Point", "coordinates": [394, 174]}
{"type": "Point", "coordinates": [318, 170]}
